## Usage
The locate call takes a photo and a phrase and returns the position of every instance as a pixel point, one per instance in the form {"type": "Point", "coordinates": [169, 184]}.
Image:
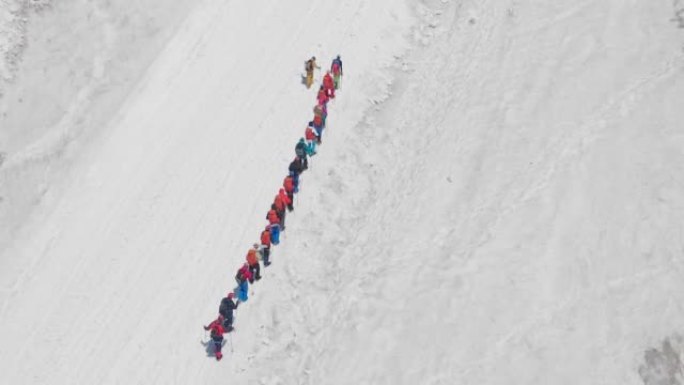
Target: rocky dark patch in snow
{"type": "Point", "coordinates": [678, 6]}
{"type": "Point", "coordinates": [663, 366]}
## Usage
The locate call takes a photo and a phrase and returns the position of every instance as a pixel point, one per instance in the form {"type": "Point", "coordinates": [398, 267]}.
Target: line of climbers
{"type": "Point", "coordinates": [250, 271]}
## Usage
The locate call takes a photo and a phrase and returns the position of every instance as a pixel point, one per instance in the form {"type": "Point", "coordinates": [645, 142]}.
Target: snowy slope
{"type": "Point", "coordinates": [143, 241]}
{"type": "Point", "coordinates": [68, 68]}
{"type": "Point", "coordinates": [499, 203]}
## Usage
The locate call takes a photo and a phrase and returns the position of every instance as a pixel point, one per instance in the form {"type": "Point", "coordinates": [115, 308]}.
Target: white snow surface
{"type": "Point", "coordinates": [499, 198]}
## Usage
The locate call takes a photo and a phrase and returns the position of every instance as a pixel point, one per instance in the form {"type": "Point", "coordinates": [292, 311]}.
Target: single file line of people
{"type": "Point", "coordinates": [283, 203]}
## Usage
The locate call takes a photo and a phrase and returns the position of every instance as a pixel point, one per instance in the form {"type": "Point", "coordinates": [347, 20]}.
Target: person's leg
{"type": "Point", "coordinates": [242, 292]}
{"type": "Point", "coordinates": [257, 270]}
{"type": "Point", "coordinates": [252, 270]}
{"type": "Point", "coordinates": [267, 254]}
{"type": "Point", "coordinates": [218, 341]}
{"type": "Point", "coordinates": [245, 291]}
{"type": "Point", "coordinates": [295, 181]}
{"type": "Point", "coordinates": [290, 205]}
{"type": "Point", "coordinates": [228, 321]}
{"type": "Point", "coordinates": [281, 215]}
{"type": "Point", "coordinates": [275, 233]}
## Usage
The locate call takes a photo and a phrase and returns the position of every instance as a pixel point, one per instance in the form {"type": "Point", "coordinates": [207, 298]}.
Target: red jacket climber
{"type": "Point", "coordinates": [216, 327]}
{"type": "Point", "coordinates": [329, 85]}
{"type": "Point", "coordinates": [273, 217]}
{"type": "Point", "coordinates": [318, 120]}
{"type": "Point", "coordinates": [244, 271]}
{"type": "Point", "coordinates": [322, 96]}
{"type": "Point", "coordinates": [310, 134]}
{"type": "Point", "coordinates": [288, 184]}
{"type": "Point", "coordinates": [283, 197]}
{"type": "Point", "coordinates": [279, 203]}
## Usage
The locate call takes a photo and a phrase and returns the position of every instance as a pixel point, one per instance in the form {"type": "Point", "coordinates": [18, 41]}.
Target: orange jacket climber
{"type": "Point", "coordinates": [266, 238]}
{"type": "Point", "coordinates": [252, 257]}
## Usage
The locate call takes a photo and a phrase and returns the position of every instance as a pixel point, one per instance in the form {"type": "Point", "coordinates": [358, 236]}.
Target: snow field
{"type": "Point", "coordinates": [495, 221]}
{"type": "Point", "coordinates": [79, 61]}
{"type": "Point", "coordinates": [497, 200]}
{"type": "Point", "coordinates": [161, 206]}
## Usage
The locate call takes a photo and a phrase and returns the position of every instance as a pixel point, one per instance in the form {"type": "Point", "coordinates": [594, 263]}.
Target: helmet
{"type": "Point", "coordinates": [313, 57]}
{"type": "Point", "coordinates": [256, 245]}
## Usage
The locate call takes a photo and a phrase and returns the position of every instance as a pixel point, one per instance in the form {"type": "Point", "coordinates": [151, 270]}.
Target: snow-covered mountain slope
{"type": "Point", "coordinates": [500, 203]}
{"type": "Point", "coordinates": [144, 238]}
{"type": "Point", "coordinates": [513, 213]}
{"type": "Point", "coordinates": [66, 69]}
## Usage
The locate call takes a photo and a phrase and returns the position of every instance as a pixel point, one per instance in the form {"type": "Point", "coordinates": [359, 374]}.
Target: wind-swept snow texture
{"type": "Point", "coordinates": [66, 66]}
{"type": "Point", "coordinates": [499, 199]}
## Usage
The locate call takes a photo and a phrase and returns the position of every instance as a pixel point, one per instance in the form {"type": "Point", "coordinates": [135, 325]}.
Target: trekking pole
{"type": "Point", "coordinates": [230, 335]}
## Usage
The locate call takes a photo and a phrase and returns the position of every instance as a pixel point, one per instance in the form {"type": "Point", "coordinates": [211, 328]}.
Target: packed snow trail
{"type": "Point", "coordinates": [245, 277]}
